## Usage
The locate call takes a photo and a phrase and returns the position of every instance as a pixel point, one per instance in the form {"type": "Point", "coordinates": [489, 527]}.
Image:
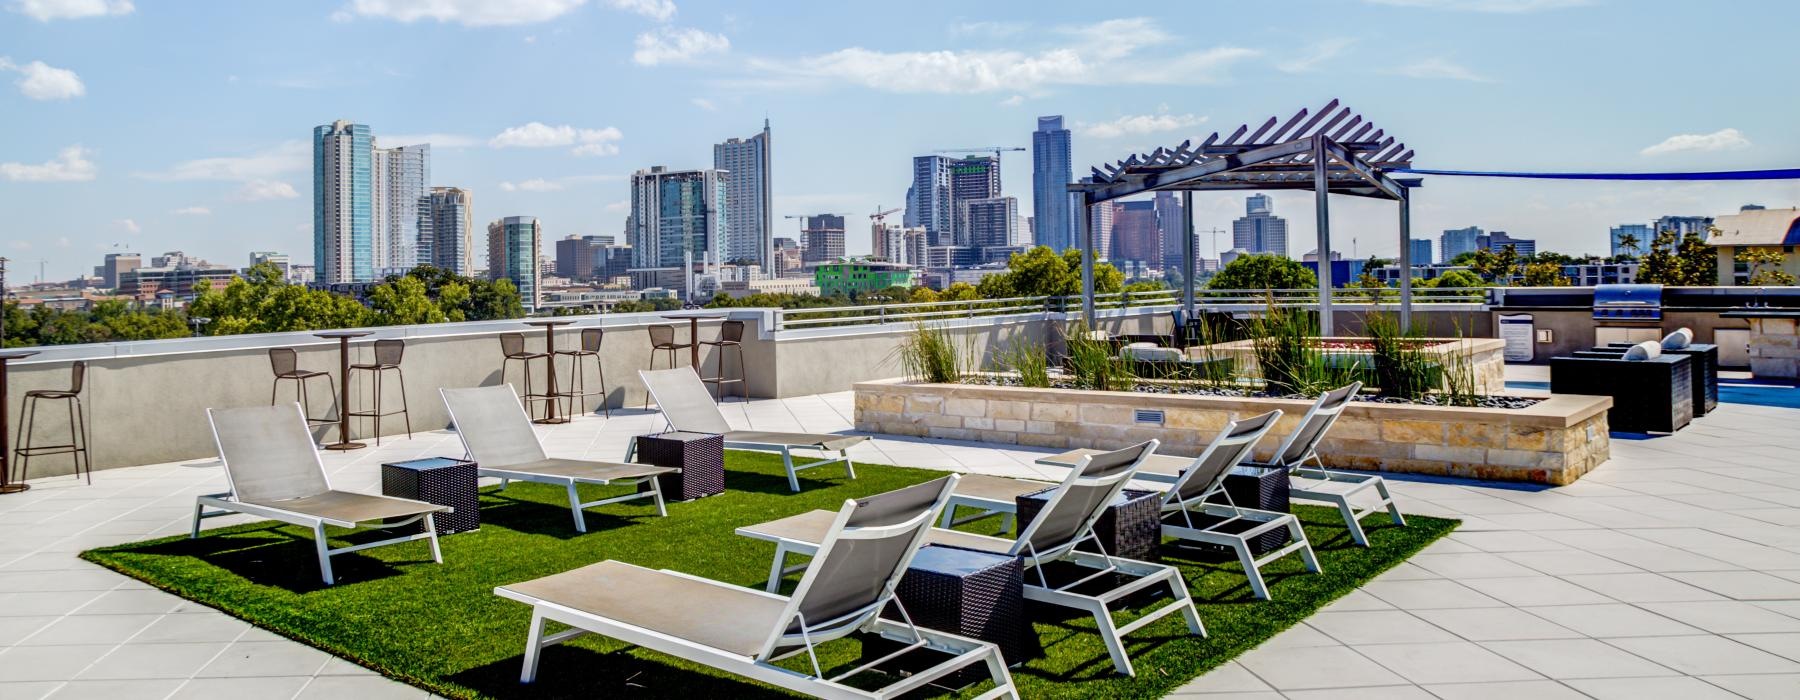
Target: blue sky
{"type": "Point", "coordinates": [160, 125]}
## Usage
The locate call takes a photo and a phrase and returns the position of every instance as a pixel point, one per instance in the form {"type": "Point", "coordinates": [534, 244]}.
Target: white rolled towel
{"type": "Point", "coordinates": [1647, 350]}
{"type": "Point", "coordinates": [1681, 338]}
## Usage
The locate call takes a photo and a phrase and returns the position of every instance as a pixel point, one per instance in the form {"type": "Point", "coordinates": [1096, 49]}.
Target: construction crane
{"type": "Point", "coordinates": [978, 149]}
{"type": "Point", "coordinates": [880, 217]}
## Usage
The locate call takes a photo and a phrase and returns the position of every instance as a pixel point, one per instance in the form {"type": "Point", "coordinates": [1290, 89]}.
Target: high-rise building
{"type": "Point", "coordinates": [582, 257]}
{"type": "Point", "coordinates": [787, 256]}
{"type": "Point", "coordinates": [513, 249]}
{"type": "Point", "coordinates": [1631, 239]}
{"type": "Point", "coordinates": [749, 211]}
{"type": "Point", "coordinates": [343, 203]}
{"type": "Point", "coordinates": [679, 217]}
{"type": "Point", "coordinates": [928, 200]}
{"type": "Point", "coordinates": [914, 242]}
{"type": "Point", "coordinates": [1457, 241]}
{"type": "Point", "coordinates": [1683, 225]}
{"type": "Point", "coordinates": [1101, 219]}
{"type": "Point", "coordinates": [1135, 235]}
{"type": "Point", "coordinates": [824, 238]}
{"type": "Point", "coordinates": [971, 178]}
{"type": "Point", "coordinates": [991, 222]}
{"type": "Point", "coordinates": [1259, 230]}
{"type": "Point", "coordinates": [1169, 213]}
{"type": "Point", "coordinates": [400, 177]}
{"type": "Point", "coordinates": [1421, 251]}
{"type": "Point", "coordinates": [114, 265]}
{"type": "Point", "coordinates": [1051, 172]}
{"type": "Point", "coordinates": [447, 230]}
{"type": "Point", "coordinates": [1497, 240]}
{"type": "Point", "coordinates": [887, 242]}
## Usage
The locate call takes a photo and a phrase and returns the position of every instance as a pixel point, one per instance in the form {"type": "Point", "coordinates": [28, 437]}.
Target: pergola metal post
{"type": "Point", "coordinates": [1187, 258]}
{"type": "Point", "coordinates": [1084, 229]}
{"type": "Point", "coordinates": [1321, 194]}
{"type": "Point", "coordinates": [1405, 258]}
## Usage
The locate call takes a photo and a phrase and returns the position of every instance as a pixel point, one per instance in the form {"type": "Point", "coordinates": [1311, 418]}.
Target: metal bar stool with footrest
{"type": "Point", "coordinates": [731, 336]}
{"type": "Point", "coordinates": [590, 348]}
{"type": "Point", "coordinates": [512, 346]}
{"type": "Point", "coordinates": [388, 352]}
{"type": "Point", "coordinates": [662, 339]}
{"type": "Point", "coordinates": [77, 447]}
{"type": "Point", "coordinates": [286, 365]}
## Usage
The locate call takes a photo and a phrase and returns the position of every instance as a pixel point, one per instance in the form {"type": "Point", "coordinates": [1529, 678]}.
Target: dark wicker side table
{"type": "Point", "coordinates": [439, 480]}
{"type": "Point", "coordinates": [699, 456]}
{"type": "Point", "coordinates": [1129, 528]}
{"type": "Point", "coordinates": [1259, 488]}
{"type": "Point", "coordinates": [980, 595]}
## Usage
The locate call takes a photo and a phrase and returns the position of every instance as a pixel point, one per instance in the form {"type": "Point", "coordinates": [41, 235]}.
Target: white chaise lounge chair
{"type": "Point", "coordinates": [1339, 489]}
{"type": "Point", "coordinates": [273, 471]}
{"type": "Point", "coordinates": [1065, 521]}
{"type": "Point", "coordinates": [688, 407]}
{"type": "Point", "coordinates": [497, 434]}
{"type": "Point", "coordinates": [1188, 514]}
{"type": "Point", "coordinates": [741, 631]}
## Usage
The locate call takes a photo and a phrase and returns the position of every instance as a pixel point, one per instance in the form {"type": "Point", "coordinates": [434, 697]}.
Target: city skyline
{"type": "Point", "coordinates": [80, 179]}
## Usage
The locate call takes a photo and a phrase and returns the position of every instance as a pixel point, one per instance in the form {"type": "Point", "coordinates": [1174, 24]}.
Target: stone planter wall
{"type": "Point", "coordinates": [1553, 442]}
{"type": "Point", "coordinates": [1485, 357]}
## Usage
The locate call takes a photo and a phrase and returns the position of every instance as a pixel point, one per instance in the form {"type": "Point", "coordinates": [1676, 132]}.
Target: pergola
{"type": "Point", "coordinates": [1331, 151]}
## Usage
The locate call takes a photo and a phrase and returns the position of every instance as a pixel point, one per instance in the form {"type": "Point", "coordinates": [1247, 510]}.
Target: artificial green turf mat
{"type": "Point", "coordinates": [440, 627]}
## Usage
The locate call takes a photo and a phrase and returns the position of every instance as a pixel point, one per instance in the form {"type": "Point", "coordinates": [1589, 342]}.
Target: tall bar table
{"type": "Point", "coordinates": [550, 393]}
{"type": "Point", "coordinates": [693, 319]}
{"type": "Point", "coordinates": [343, 337]}
{"type": "Point", "coordinates": [6, 484]}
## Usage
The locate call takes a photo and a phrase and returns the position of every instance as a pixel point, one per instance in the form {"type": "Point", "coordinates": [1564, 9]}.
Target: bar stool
{"type": "Point", "coordinates": [77, 448]}
{"type": "Point", "coordinates": [512, 345]}
{"type": "Point", "coordinates": [387, 359]}
{"type": "Point", "coordinates": [286, 365]}
{"type": "Point", "coordinates": [662, 338]}
{"type": "Point", "coordinates": [590, 347]}
{"type": "Point", "coordinates": [731, 336]}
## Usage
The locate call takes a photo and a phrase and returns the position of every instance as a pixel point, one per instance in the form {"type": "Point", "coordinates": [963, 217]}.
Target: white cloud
{"type": "Point", "coordinates": [21, 245]}
{"type": "Point", "coordinates": [63, 242]}
{"type": "Point", "coordinates": [586, 142]}
{"type": "Point", "coordinates": [39, 81]}
{"type": "Point", "coordinates": [1494, 6]}
{"type": "Point", "coordinates": [290, 156]}
{"type": "Point", "coordinates": [259, 190]}
{"type": "Point", "coordinates": [469, 13]}
{"type": "Point", "coordinates": [70, 165]}
{"type": "Point", "coordinates": [46, 10]}
{"type": "Point", "coordinates": [1721, 140]}
{"type": "Point", "coordinates": [1440, 69]}
{"type": "Point", "coordinates": [619, 207]}
{"type": "Point", "coordinates": [536, 184]}
{"type": "Point", "coordinates": [676, 45]}
{"type": "Point", "coordinates": [1137, 125]}
{"type": "Point", "coordinates": [192, 211]}
{"type": "Point", "coordinates": [436, 140]}
{"type": "Point", "coordinates": [1096, 54]}
{"type": "Point", "coordinates": [130, 226]}
{"type": "Point", "coordinates": [1013, 101]}
{"type": "Point", "coordinates": [988, 29]}
{"type": "Point", "coordinates": [659, 10]}
{"type": "Point", "coordinates": [1319, 53]}
{"type": "Point", "coordinates": [705, 104]}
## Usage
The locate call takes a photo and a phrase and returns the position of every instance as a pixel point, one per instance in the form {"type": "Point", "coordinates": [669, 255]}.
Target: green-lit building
{"type": "Point", "coordinates": [849, 278]}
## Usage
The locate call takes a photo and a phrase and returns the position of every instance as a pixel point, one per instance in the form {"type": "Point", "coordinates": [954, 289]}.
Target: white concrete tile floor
{"type": "Point", "coordinates": [1671, 571]}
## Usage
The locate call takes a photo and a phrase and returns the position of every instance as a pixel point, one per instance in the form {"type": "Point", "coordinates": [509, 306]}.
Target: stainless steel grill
{"type": "Point", "coordinates": [1628, 302]}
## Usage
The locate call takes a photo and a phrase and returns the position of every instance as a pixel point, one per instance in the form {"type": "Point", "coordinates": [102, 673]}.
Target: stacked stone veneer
{"type": "Point", "coordinates": [1553, 442]}
{"type": "Point", "coordinates": [1484, 357]}
{"type": "Point", "coordinates": [1774, 348]}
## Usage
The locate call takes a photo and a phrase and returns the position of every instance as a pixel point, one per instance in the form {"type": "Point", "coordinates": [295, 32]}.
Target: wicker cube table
{"type": "Point", "coordinates": [438, 480]}
{"type": "Point", "coordinates": [980, 595]}
{"type": "Point", "coordinates": [1260, 488]}
{"type": "Point", "coordinates": [699, 456]}
{"type": "Point", "coordinates": [1129, 528]}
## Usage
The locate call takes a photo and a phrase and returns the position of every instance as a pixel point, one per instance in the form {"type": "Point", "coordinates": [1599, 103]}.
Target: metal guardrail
{"type": "Point", "coordinates": [875, 314]}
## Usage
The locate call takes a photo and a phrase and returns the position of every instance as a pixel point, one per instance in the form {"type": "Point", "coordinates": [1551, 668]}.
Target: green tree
{"type": "Point", "coordinates": [1684, 261]}
{"type": "Point", "coordinates": [469, 298]}
{"type": "Point", "coordinates": [260, 301]}
{"type": "Point", "coordinates": [1629, 244]}
{"type": "Point", "coordinates": [403, 301]}
{"type": "Point", "coordinates": [1497, 267]}
{"type": "Point", "coordinates": [1543, 274]}
{"type": "Point", "coordinates": [1459, 279]}
{"type": "Point", "coordinates": [1765, 267]}
{"type": "Point", "coordinates": [1264, 272]}
{"type": "Point", "coordinates": [1040, 271]}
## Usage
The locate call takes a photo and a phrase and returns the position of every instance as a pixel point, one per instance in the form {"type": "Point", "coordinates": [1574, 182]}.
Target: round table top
{"type": "Point", "coordinates": [16, 354]}
{"type": "Point", "coordinates": [343, 334]}
{"type": "Point", "coordinates": [549, 322]}
{"type": "Point", "coordinates": [692, 315]}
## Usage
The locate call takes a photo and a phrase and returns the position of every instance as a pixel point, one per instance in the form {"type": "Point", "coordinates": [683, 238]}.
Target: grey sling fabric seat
{"type": "Point", "coordinates": [273, 470]}
{"type": "Point", "coordinates": [1339, 489]}
{"type": "Point", "coordinates": [497, 434]}
{"type": "Point", "coordinates": [689, 407]}
{"type": "Point", "coordinates": [1189, 512]}
{"type": "Point", "coordinates": [1065, 521]}
{"type": "Point", "coordinates": [866, 547]}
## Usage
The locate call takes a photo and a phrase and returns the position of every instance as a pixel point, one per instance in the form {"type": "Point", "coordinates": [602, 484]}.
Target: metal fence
{"type": "Point", "coordinates": [1216, 299]}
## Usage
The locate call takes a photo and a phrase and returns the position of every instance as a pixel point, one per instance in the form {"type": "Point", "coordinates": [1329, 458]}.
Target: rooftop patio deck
{"type": "Point", "coordinates": [1672, 570]}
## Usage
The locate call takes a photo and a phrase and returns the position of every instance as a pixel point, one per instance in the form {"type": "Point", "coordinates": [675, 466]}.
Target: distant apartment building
{"type": "Point", "coordinates": [678, 217]}
{"type": "Point", "coordinates": [928, 200]}
{"type": "Point", "coordinates": [114, 265]}
{"type": "Point", "coordinates": [901, 245]}
{"type": "Point", "coordinates": [749, 211]}
{"type": "Point", "coordinates": [1683, 225]}
{"type": "Point", "coordinates": [343, 203]}
{"type": "Point", "coordinates": [281, 261]}
{"type": "Point", "coordinates": [1456, 241]}
{"type": "Point", "coordinates": [401, 177]}
{"type": "Point", "coordinates": [1259, 230]}
{"type": "Point", "coordinates": [1496, 241]}
{"type": "Point", "coordinates": [788, 258]}
{"type": "Point", "coordinates": [1419, 250]}
{"type": "Point", "coordinates": [852, 278]}
{"type": "Point", "coordinates": [991, 222]}
{"type": "Point", "coordinates": [824, 238]}
{"type": "Point", "coordinates": [971, 178]}
{"type": "Point", "coordinates": [914, 241]}
{"type": "Point", "coordinates": [1169, 229]}
{"type": "Point", "coordinates": [1135, 235]}
{"type": "Point", "coordinates": [582, 258]}
{"type": "Point", "coordinates": [1590, 274]}
{"type": "Point", "coordinates": [514, 243]}
{"type": "Point", "coordinates": [1053, 215]}
{"type": "Point", "coordinates": [1101, 219]}
{"type": "Point", "coordinates": [1770, 230]}
{"type": "Point", "coordinates": [952, 256]}
{"type": "Point", "coordinates": [447, 230]}
{"type": "Point", "coordinates": [175, 273]}
{"type": "Point", "coordinates": [1630, 239]}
